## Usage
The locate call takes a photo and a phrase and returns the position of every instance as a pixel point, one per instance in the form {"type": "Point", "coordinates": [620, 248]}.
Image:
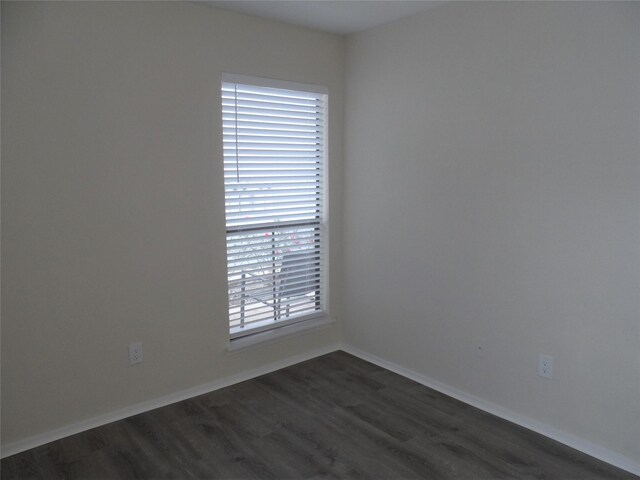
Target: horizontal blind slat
{"type": "Point", "coordinates": [229, 104]}
{"type": "Point", "coordinates": [271, 227]}
{"type": "Point", "coordinates": [249, 222]}
{"type": "Point", "coordinates": [249, 192]}
{"type": "Point", "coordinates": [243, 109]}
{"type": "Point", "coordinates": [266, 98]}
{"type": "Point", "coordinates": [257, 184]}
{"type": "Point", "coordinates": [260, 267]}
{"type": "Point", "coordinates": [238, 89]}
{"type": "Point", "coordinates": [275, 200]}
{"type": "Point", "coordinates": [229, 128]}
{"type": "Point", "coordinates": [257, 315]}
{"type": "Point", "coordinates": [258, 291]}
{"type": "Point", "coordinates": [259, 311]}
{"type": "Point", "coordinates": [267, 240]}
{"type": "Point", "coordinates": [257, 125]}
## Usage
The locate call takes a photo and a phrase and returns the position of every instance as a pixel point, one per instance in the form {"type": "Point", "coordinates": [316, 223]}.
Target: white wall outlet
{"type": "Point", "coordinates": [481, 347]}
{"type": "Point", "coordinates": [135, 353]}
{"type": "Point", "coordinates": [545, 366]}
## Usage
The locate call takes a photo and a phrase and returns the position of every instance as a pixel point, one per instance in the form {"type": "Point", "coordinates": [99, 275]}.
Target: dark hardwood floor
{"type": "Point", "coordinates": [335, 416]}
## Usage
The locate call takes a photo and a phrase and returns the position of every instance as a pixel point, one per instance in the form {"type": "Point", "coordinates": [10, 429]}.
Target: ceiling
{"type": "Point", "coordinates": [335, 16]}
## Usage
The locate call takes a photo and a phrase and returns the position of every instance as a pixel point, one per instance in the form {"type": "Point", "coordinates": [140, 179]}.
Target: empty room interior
{"type": "Point", "coordinates": [320, 239]}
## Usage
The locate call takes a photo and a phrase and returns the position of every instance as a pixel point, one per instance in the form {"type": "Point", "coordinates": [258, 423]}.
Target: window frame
{"type": "Point", "coordinates": [270, 325]}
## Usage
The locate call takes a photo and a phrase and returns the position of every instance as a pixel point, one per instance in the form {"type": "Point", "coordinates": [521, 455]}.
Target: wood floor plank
{"type": "Point", "coordinates": [334, 416]}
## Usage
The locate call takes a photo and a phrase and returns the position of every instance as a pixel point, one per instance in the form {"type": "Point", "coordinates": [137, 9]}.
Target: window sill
{"type": "Point", "coordinates": [270, 336]}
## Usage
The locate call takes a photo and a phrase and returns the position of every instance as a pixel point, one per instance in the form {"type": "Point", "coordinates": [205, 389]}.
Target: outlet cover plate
{"type": "Point", "coordinates": [545, 366]}
{"type": "Point", "coordinates": [135, 353]}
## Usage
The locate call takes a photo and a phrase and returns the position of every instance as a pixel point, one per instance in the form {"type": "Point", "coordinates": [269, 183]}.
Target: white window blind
{"type": "Point", "coordinates": [274, 179]}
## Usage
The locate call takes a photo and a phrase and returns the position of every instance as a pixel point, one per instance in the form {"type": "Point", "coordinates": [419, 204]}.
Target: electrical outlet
{"type": "Point", "coordinates": [545, 366]}
{"type": "Point", "coordinates": [481, 347]}
{"type": "Point", "coordinates": [135, 353]}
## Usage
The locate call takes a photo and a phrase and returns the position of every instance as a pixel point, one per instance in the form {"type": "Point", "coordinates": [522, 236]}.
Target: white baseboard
{"type": "Point", "coordinates": [568, 439]}
{"type": "Point", "coordinates": [57, 434]}
{"type": "Point", "coordinates": [572, 441]}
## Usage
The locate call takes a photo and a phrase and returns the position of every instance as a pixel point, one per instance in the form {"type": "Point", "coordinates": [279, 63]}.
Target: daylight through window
{"type": "Point", "coordinates": [274, 160]}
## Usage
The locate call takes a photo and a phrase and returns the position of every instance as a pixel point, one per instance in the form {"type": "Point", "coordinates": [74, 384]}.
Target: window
{"type": "Point", "coordinates": [274, 159]}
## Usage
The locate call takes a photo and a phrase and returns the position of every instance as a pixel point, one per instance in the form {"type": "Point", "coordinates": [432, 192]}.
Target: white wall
{"type": "Point", "coordinates": [113, 203]}
{"type": "Point", "coordinates": [492, 191]}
